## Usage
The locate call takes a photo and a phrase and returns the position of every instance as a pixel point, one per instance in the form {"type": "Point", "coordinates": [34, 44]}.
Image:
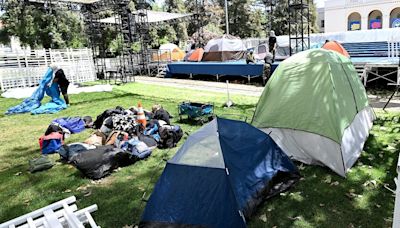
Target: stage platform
{"type": "Point", "coordinates": [375, 60]}
{"type": "Point", "coordinates": [218, 69]}
{"type": "Point", "coordinates": [255, 70]}
{"type": "Point", "coordinates": [382, 68]}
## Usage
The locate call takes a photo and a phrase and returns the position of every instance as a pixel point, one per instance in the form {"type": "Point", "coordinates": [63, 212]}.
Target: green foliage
{"type": "Point", "coordinates": [313, 18]}
{"type": "Point", "coordinates": [280, 18]}
{"type": "Point", "coordinates": [4, 37]}
{"type": "Point", "coordinates": [116, 45]}
{"type": "Point", "coordinates": [33, 25]}
{"type": "Point", "coordinates": [258, 20]}
{"type": "Point", "coordinates": [164, 33]}
{"type": "Point", "coordinates": [244, 19]}
{"type": "Point", "coordinates": [136, 47]}
{"type": "Point", "coordinates": [180, 29]}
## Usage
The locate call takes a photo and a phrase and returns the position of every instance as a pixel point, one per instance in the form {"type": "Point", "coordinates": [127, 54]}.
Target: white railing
{"type": "Point", "coordinates": [25, 68]}
{"type": "Point", "coordinates": [60, 214]}
{"type": "Point", "coordinates": [394, 50]}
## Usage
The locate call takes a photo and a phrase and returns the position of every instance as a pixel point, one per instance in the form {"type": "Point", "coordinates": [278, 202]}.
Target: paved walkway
{"type": "Point", "coordinates": [249, 90]}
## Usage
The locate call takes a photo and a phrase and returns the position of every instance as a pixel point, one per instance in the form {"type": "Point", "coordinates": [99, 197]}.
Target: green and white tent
{"type": "Point", "coordinates": [316, 109]}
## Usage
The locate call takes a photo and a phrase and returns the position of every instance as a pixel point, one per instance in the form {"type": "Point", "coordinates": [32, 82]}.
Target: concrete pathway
{"type": "Point", "coordinates": [249, 90]}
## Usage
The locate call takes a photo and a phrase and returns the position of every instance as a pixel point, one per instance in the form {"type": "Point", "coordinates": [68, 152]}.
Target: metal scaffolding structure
{"type": "Point", "coordinates": [143, 28]}
{"type": "Point", "coordinates": [299, 25]}
{"type": "Point", "coordinates": [125, 29]}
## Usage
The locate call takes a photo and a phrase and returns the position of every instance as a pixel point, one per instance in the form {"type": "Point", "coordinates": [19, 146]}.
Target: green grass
{"type": "Point", "coordinates": [320, 199]}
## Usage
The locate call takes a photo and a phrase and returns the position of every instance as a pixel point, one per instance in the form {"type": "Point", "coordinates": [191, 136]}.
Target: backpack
{"type": "Point", "coordinates": [170, 136]}
{"type": "Point", "coordinates": [39, 164]}
{"type": "Point", "coordinates": [51, 143]}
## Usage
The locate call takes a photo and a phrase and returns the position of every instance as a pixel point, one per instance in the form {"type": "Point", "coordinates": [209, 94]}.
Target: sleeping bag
{"type": "Point", "coordinates": [97, 163]}
{"type": "Point", "coordinates": [73, 124]}
{"type": "Point", "coordinates": [74, 148]}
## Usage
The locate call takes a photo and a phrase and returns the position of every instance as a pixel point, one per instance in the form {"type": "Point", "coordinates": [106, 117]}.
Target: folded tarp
{"type": "Point", "coordinates": [33, 105]}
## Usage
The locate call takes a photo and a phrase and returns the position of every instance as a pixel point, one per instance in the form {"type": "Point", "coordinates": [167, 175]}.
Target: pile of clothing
{"type": "Point", "coordinates": [115, 126]}
{"type": "Point", "coordinates": [121, 137]}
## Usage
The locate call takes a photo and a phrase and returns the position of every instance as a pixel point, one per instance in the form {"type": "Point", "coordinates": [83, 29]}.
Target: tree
{"type": "Point", "coordinates": [177, 6]}
{"type": "Point", "coordinates": [246, 19]}
{"type": "Point", "coordinates": [280, 17]}
{"type": "Point", "coordinates": [39, 27]}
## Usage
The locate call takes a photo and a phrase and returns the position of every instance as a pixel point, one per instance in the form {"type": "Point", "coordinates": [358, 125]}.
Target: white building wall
{"type": "Point", "coordinates": [337, 12]}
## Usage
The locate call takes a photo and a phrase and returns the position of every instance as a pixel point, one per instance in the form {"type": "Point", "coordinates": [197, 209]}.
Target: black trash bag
{"type": "Point", "coordinates": [100, 162]}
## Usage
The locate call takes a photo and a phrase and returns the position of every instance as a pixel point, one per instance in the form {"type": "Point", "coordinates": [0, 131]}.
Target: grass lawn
{"type": "Point", "coordinates": [320, 199]}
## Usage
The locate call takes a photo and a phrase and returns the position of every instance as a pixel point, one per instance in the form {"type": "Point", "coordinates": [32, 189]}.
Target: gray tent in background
{"type": "Point", "coordinates": [224, 48]}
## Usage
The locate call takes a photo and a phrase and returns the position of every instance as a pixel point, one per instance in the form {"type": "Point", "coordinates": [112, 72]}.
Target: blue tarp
{"type": "Point", "coordinates": [33, 105]}
{"type": "Point", "coordinates": [232, 68]}
{"type": "Point", "coordinates": [219, 177]}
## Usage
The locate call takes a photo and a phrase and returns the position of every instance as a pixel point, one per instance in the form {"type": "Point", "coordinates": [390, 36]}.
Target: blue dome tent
{"type": "Point", "coordinates": [218, 178]}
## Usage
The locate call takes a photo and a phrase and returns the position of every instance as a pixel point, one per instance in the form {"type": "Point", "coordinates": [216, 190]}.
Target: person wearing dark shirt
{"type": "Point", "coordinates": [272, 44]}
{"type": "Point", "coordinates": [63, 83]}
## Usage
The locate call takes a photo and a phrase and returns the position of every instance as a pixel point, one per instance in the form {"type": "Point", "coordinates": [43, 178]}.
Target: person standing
{"type": "Point", "coordinates": [62, 81]}
{"type": "Point", "coordinates": [272, 44]}
{"type": "Point", "coordinates": [267, 67]}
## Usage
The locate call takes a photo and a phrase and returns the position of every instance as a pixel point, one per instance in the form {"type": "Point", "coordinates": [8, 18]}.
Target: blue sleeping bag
{"type": "Point", "coordinates": [33, 105]}
{"type": "Point", "coordinates": [73, 124]}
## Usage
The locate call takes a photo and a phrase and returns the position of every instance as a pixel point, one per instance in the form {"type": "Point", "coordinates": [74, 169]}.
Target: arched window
{"type": "Point", "coordinates": [375, 20]}
{"type": "Point", "coordinates": [354, 22]}
{"type": "Point", "coordinates": [395, 18]}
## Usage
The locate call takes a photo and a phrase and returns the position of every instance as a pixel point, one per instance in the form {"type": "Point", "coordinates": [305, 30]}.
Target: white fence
{"type": "Point", "coordinates": [26, 68]}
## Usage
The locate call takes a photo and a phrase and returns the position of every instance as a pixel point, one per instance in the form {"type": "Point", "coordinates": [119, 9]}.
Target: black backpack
{"type": "Point", "coordinates": [170, 136]}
